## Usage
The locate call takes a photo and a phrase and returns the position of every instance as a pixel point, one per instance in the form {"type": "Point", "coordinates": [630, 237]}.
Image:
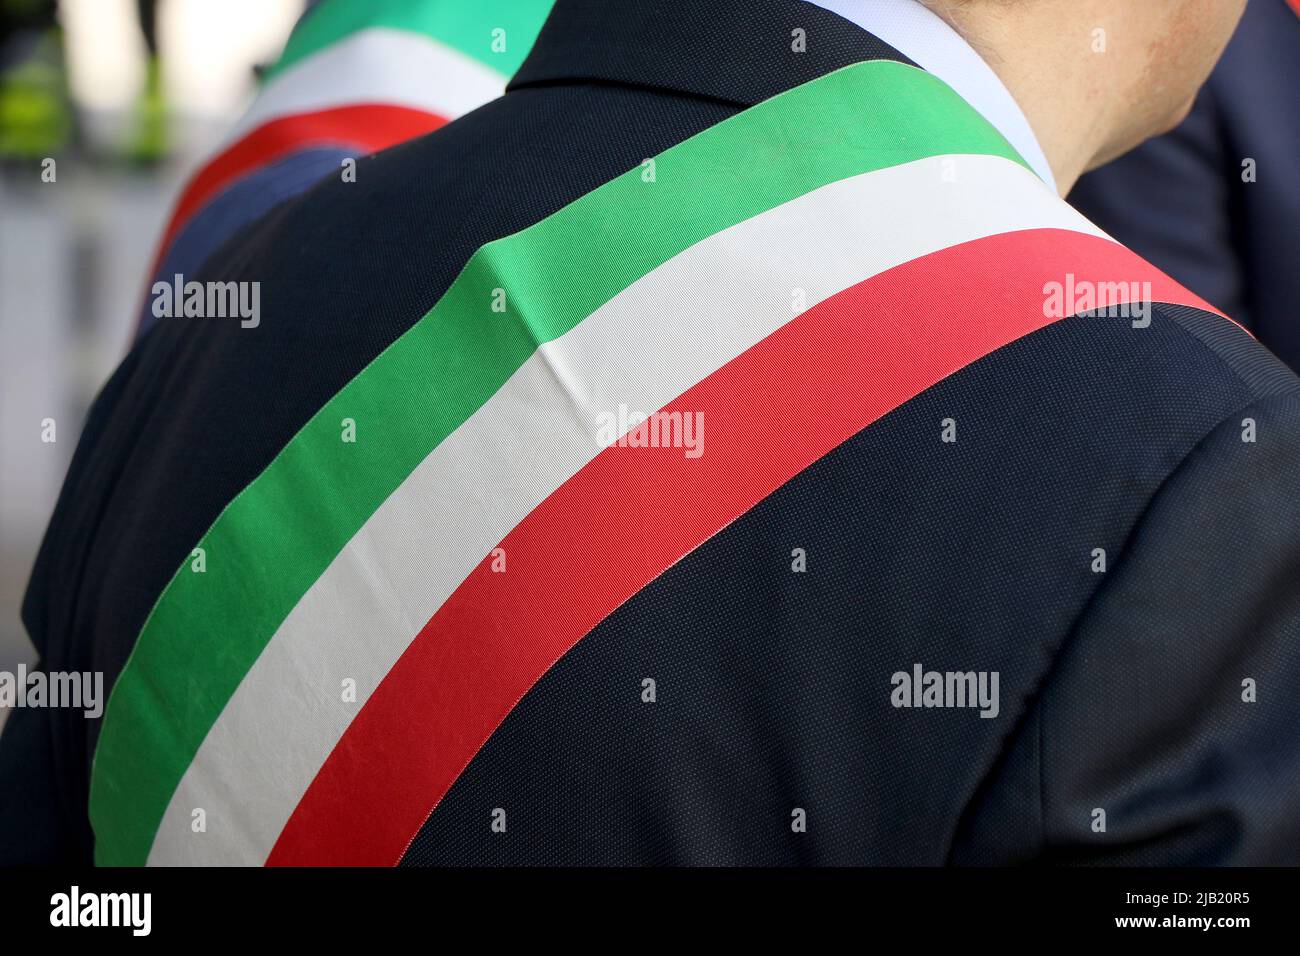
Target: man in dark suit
{"type": "Point", "coordinates": [724, 448]}
{"type": "Point", "coordinates": [1216, 203]}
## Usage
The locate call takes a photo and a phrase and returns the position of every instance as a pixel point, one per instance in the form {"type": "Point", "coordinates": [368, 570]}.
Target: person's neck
{"type": "Point", "coordinates": [1053, 77]}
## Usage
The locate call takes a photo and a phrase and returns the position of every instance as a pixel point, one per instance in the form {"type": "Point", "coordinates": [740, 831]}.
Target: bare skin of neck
{"type": "Point", "coordinates": [1096, 77]}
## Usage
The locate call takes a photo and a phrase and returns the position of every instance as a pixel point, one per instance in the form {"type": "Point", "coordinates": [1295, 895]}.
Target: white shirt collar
{"type": "Point", "coordinates": [929, 42]}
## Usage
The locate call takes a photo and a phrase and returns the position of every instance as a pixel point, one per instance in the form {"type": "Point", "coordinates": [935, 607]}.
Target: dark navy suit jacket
{"type": "Point", "coordinates": [1120, 690]}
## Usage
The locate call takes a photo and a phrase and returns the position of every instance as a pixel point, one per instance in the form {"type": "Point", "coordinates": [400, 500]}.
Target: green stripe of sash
{"type": "Point", "coordinates": [463, 25]}
{"type": "Point", "coordinates": [278, 536]}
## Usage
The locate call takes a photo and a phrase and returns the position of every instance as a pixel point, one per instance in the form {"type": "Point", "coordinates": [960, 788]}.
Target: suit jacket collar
{"type": "Point", "coordinates": [736, 51]}
{"type": "Point", "coordinates": [742, 52]}
{"type": "Point", "coordinates": [914, 30]}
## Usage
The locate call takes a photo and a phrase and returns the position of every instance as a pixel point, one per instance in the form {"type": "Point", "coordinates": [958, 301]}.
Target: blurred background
{"type": "Point", "coordinates": [126, 120]}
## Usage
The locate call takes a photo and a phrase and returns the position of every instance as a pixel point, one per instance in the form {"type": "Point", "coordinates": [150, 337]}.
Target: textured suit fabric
{"type": "Point", "coordinates": [1119, 695]}
{"type": "Point", "coordinates": [1120, 690]}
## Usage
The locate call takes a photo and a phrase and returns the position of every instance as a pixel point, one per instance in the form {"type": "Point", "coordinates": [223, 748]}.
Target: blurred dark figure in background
{"type": "Point", "coordinates": [1216, 203]}
{"type": "Point", "coordinates": [36, 114]}
{"type": "Point", "coordinates": [355, 77]}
